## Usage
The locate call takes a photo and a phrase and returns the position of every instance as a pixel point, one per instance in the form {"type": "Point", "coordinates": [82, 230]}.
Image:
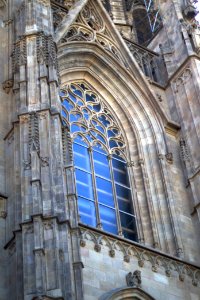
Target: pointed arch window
{"type": "Point", "coordinates": [99, 153]}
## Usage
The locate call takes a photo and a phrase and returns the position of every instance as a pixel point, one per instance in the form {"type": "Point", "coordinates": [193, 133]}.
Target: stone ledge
{"type": "Point", "coordinates": [171, 265]}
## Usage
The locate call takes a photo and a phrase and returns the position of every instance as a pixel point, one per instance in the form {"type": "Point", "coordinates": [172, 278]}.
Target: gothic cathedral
{"type": "Point", "coordinates": [99, 150]}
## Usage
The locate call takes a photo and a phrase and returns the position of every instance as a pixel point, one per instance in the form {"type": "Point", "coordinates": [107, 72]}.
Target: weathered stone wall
{"type": "Point", "coordinates": [38, 212]}
{"type": "Point", "coordinates": [103, 273]}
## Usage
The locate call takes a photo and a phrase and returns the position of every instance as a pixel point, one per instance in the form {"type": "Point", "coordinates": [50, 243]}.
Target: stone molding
{"type": "Point", "coordinates": [124, 293]}
{"type": "Point", "coordinates": [158, 260]}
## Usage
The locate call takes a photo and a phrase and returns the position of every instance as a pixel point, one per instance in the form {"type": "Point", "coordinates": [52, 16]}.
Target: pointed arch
{"type": "Point", "coordinates": [127, 294]}
{"type": "Point", "coordinates": [143, 122]}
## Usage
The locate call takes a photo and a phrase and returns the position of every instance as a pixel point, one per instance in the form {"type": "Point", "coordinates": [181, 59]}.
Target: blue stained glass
{"type": "Point", "coordinates": [113, 144]}
{"type": "Point", "coordinates": [77, 128]}
{"type": "Point", "coordinates": [103, 119]}
{"type": "Point", "coordinates": [101, 165]}
{"type": "Point", "coordinates": [111, 133]}
{"type": "Point", "coordinates": [68, 105]}
{"type": "Point", "coordinates": [104, 191]}
{"type": "Point", "coordinates": [83, 86]}
{"type": "Point", "coordinates": [99, 148]}
{"type": "Point", "coordinates": [84, 184]}
{"type": "Point", "coordinates": [72, 97]}
{"type": "Point", "coordinates": [74, 117]}
{"type": "Point", "coordinates": [87, 211]}
{"type": "Point", "coordinates": [97, 107]}
{"type": "Point", "coordinates": [76, 91]}
{"type": "Point", "coordinates": [108, 219]}
{"type": "Point", "coordinates": [120, 172]}
{"type": "Point", "coordinates": [80, 140]}
{"type": "Point", "coordinates": [86, 114]}
{"type": "Point", "coordinates": [124, 199]}
{"type": "Point", "coordinates": [90, 98]}
{"type": "Point", "coordinates": [128, 224]}
{"type": "Point", "coordinates": [81, 157]}
{"type": "Point", "coordinates": [64, 114]}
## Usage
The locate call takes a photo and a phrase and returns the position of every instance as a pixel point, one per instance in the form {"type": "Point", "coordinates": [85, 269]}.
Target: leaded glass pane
{"type": "Point", "coordinates": [101, 165]}
{"type": "Point", "coordinates": [128, 226]}
{"type": "Point", "coordinates": [84, 184]}
{"type": "Point", "coordinates": [124, 198]}
{"type": "Point", "coordinates": [108, 219]}
{"type": "Point", "coordinates": [81, 157]}
{"type": "Point", "coordinates": [120, 172]}
{"type": "Point", "coordinates": [104, 191]}
{"type": "Point", "coordinates": [87, 211]}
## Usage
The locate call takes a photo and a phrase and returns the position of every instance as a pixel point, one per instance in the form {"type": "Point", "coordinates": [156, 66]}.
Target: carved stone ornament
{"type": "Point", "coordinates": [158, 262]}
{"type": "Point", "coordinates": [134, 279]}
{"type": "Point", "coordinates": [90, 27]}
{"type": "Point", "coordinates": [3, 214]}
{"type": "Point", "coordinates": [169, 158]}
{"type": "Point", "coordinates": [7, 86]}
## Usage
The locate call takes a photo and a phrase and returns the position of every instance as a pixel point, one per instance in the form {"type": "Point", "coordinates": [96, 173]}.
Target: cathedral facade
{"type": "Point", "coordinates": [100, 150]}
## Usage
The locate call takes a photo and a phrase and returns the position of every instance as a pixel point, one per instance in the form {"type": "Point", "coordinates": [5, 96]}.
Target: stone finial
{"type": "Point", "coordinates": [134, 279]}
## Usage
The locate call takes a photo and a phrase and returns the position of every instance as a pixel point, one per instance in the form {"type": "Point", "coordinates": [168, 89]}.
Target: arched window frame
{"type": "Point", "coordinates": [121, 151]}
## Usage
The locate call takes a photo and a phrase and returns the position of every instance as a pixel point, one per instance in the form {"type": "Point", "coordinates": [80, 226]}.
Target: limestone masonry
{"type": "Point", "coordinates": [99, 150]}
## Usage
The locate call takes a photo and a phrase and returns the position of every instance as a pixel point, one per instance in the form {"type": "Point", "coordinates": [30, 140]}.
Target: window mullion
{"type": "Point", "coordinates": [99, 225]}
{"type": "Point", "coordinates": [115, 196]}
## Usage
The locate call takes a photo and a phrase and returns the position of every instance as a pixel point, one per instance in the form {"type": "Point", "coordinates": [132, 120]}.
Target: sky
{"type": "Point", "coordinates": [198, 8]}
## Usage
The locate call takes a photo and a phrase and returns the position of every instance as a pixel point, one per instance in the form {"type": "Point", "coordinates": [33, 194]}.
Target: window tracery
{"type": "Point", "coordinates": [99, 151]}
{"type": "Point", "coordinates": [91, 27]}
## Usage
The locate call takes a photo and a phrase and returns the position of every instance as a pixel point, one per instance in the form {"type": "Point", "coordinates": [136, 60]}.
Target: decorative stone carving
{"type": "Point", "coordinates": [60, 9]}
{"type": "Point", "coordinates": [157, 261]}
{"type": "Point", "coordinates": [7, 85]}
{"type": "Point", "coordinates": [46, 50]}
{"type": "Point", "coordinates": [184, 150]}
{"type": "Point", "coordinates": [91, 27]}
{"type": "Point", "coordinates": [169, 158]}
{"type": "Point", "coordinates": [34, 142]}
{"type": "Point", "coordinates": [134, 279]}
{"type": "Point", "coordinates": [182, 79]}
{"type": "Point", "coordinates": [19, 55]}
{"type": "Point", "coordinates": [146, 60]}
{"type": "Point", "coordinates": [27, 164]}
{"type": "Point", "coordinates": [3, 214]}
{"type": "Point", "coordinates": [44, 161]}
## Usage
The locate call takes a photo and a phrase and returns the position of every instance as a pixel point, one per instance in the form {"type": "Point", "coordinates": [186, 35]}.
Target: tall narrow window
{"type": "Point", "coordinates": [102, 181]}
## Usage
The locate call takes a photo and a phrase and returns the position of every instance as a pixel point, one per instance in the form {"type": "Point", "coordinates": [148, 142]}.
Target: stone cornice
{"type": "Point", "coordinates": [159, 260]}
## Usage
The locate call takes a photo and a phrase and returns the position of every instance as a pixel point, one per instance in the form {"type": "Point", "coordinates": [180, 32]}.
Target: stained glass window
{"type": "Point", "coordinates": [99, 153]}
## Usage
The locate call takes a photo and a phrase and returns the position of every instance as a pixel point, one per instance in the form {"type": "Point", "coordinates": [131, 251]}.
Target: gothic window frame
{"type": "Point", "coordinates": [84, 108]}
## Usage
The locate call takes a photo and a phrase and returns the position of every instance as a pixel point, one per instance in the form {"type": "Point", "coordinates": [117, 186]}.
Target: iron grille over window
{"type": "Point", "coordinates": [102, 181]}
